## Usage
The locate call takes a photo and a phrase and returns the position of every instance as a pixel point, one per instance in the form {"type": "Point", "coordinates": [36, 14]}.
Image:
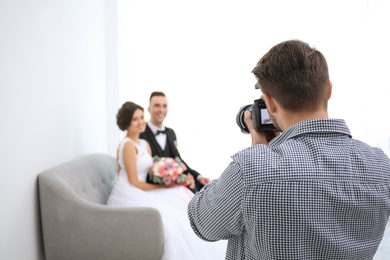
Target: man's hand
{"type": "Point", "coordinates": [258, 137]}
{"type": "Point", "coordinates": [189, 182]}
{"type": "Point", "coordinates": [203, 180]}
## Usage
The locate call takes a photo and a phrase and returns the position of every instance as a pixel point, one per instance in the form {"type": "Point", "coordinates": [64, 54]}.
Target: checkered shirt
{"type": "Point", "coordinates": [312, 193]}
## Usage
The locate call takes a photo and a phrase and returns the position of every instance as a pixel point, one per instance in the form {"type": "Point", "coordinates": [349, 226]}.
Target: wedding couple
{"type": "Point", "coordinates": [132, 189]}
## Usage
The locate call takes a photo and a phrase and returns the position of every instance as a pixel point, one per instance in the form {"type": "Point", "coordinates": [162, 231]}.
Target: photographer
{"type": "Point", "coordinates": [312, 192]}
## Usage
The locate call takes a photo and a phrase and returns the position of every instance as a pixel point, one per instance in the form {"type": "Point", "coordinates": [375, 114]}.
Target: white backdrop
{"type": "Point", "coordinates": [59, 80]}
{"type": "Point", "coordinates": [201, 53]}
{"type": "Point", "coordinates": [58, 87]}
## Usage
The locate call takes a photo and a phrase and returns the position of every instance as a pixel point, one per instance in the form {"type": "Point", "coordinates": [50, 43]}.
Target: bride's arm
{"type": "Point", "coordinates": [130, 160]}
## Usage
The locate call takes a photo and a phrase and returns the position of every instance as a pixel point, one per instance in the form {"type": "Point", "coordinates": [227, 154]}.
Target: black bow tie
{"type": "Point", "coordinates": [161, 132]}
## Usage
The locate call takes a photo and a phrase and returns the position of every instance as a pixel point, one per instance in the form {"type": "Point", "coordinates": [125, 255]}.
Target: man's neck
{"type": "Point", "coordinates": [157, 125]}
{"type": "Point", "coordinates": [294, 118]}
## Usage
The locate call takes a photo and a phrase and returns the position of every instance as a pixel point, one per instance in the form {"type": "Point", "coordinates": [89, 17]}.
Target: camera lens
{"type": "Point", "coordinates": [240, 118]}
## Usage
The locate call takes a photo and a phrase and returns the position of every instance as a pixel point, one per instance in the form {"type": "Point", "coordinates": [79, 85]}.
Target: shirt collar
{"type": "Point", "coordinates": [155, 128]}
{"type": "Point", "coordinates": [313, 126]}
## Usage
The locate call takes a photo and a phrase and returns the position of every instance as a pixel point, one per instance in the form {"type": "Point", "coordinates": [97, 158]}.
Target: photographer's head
{"type": "Point", "coordinates": [294, 78]}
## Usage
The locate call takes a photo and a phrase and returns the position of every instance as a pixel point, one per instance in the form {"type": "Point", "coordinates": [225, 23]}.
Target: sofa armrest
{"type": "Point", "coordinates": [74, 228]}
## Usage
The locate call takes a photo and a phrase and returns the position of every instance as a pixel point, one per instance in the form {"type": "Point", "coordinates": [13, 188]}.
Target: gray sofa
{"type": "Point", "coordinates": [77, 223]}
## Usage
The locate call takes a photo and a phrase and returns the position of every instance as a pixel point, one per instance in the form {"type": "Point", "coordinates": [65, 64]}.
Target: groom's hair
{"type": "Point", "coordinates": [156, 94]}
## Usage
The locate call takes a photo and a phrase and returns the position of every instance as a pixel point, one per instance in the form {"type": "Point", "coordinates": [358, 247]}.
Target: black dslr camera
{"type": "Point", "coordinates": [260, 118]}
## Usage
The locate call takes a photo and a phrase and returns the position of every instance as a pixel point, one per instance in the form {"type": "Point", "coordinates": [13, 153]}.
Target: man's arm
{"type": "Point", "coordinates": [215, 212]}
{"type": "Point", "coordinates": [194, 173]}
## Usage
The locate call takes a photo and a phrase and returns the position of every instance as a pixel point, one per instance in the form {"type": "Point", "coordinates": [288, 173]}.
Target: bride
{"type": "Point", "coordinates": [130, 190]}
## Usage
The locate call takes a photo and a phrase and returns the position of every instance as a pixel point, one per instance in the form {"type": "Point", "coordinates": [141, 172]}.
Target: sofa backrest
{"type": "Point", "coordinates": [77, 223]}
{"type": "Point", "coordinates": [90, 177]}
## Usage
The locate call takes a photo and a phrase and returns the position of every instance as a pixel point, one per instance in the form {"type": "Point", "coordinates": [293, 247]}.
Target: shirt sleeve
{"type": "Point", "coordinates": [215, 212]}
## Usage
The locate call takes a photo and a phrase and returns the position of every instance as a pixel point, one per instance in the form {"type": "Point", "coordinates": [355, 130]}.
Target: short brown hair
{"type": "Point", "coordinates": [295, 74]}
{"type": "Point", "coordinates": [125, 114]}
{"type": "Point", "coordinates": [156, 93]}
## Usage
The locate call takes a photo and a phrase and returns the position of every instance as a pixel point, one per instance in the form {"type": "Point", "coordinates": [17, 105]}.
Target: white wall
{"type": "Point", "coordinates": [58, 89]}
{"type": "Point", "coordinates": [201, 53]}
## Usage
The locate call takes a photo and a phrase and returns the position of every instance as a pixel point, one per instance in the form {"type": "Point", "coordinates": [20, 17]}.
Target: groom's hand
{"type": "Point", "coordinates": [203, 180]}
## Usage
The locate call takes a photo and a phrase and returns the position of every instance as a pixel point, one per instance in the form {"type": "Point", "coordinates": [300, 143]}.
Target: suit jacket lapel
{"type": "Point", "coordinates": [170, 145]}
{"type": "Point", "coordinates": [156, 148]}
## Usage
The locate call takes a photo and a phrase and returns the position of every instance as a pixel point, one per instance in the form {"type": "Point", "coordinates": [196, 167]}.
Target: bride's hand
{"type": "Point", "coordinates": [189, 181]}
{"type": "Point", "coordinates": [171, 185]}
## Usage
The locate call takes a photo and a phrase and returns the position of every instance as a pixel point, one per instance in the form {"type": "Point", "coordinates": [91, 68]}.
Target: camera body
{"type": "Point", "coordinates": [260, 117]}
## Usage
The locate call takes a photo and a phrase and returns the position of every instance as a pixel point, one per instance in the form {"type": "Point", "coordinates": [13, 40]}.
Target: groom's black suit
{"type": "Point", "coordinates": [170, 150]}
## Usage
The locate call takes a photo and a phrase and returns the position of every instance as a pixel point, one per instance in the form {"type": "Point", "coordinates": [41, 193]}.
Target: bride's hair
{"type": "Point", "coordinates": [125, 114]}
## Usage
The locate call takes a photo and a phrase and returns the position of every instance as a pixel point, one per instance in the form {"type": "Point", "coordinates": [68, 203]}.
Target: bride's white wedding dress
{"type": "Point", "coordinates": [180, 241]}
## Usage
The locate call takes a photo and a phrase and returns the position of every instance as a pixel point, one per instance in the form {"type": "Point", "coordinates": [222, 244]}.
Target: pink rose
{"type": "Point", "coordinates": [167, 180]}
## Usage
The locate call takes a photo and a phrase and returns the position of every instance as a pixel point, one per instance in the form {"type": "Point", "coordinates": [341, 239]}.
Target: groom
{"type": "Point", "coordinates": [162, 139]}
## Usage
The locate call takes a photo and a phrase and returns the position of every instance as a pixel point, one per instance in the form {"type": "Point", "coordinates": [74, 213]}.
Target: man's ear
{"type": "Point", "coordinates": [270, 103]}
{"type": "Point", "coordinates": [330, 86]}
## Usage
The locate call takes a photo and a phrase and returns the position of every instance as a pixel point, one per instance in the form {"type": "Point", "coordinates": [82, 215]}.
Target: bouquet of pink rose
{"type": "Point", "coordinates": [166, 170]}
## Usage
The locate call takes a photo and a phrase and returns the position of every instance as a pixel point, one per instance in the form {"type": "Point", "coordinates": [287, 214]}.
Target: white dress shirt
{"type": "Point", "coordinates": [160, 138]}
